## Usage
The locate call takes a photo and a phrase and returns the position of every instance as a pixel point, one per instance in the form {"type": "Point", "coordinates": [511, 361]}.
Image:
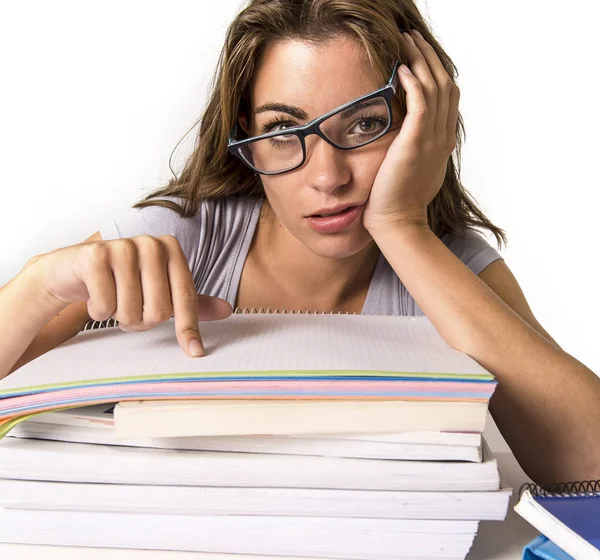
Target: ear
{"type": "Point", "coordinates": [243, 123]}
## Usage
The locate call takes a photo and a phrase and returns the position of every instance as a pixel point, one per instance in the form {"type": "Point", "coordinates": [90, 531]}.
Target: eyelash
{"type": "Point", "coordinates": [270, 124]}
{"type": "Point", "coordinates": [278, 120]}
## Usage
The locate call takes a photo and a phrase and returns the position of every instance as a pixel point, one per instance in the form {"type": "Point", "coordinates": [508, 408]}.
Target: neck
{"type": "Point", "coordinates": [327, 283]}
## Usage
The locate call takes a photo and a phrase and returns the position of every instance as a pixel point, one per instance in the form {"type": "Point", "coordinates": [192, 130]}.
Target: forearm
{"type": "Point", "coordinates": [24, 310]}
{"type": "Point", "coordinates": [547, 403]}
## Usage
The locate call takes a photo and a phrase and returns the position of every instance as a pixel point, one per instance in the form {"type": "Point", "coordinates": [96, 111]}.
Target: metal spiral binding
{"type": "Point", "coordinates": [100, 324]}
{"type": "Point", "coordinates": [90, 325]}
{"type": "Point", "coordinates": [253, 310]}
{"type": "Point", "coordinates": [578, 489]}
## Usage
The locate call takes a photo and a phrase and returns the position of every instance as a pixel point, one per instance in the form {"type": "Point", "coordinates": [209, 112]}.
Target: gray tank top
{"type": "Point", "coordinates": [216, 242]}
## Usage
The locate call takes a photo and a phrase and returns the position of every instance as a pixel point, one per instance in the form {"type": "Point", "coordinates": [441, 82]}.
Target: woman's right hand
{"type": "Point", "coordinates": [139, 281]}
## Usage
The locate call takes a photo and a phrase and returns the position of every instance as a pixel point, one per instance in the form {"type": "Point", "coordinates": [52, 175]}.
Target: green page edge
{"type": "Point", "coordinates": [209, 375]}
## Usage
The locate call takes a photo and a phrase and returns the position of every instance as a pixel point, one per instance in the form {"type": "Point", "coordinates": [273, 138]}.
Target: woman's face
{"type": "Point", "coordinates": [317, 79]}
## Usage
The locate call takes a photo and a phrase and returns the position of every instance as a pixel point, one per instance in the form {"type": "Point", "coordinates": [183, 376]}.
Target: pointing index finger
{"type": "Point", "coordinates": [185, 303]}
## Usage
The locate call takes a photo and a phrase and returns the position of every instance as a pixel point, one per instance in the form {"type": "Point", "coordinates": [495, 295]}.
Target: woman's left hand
{"type": "Point", "coordinates": [414, 167]}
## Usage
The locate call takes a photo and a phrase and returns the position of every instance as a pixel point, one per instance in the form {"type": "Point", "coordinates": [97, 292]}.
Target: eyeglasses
{"type": "Point", "coordinates": [349, 126]}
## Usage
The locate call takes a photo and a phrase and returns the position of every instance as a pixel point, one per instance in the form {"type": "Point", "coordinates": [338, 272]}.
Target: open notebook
{"type": "Point", "coordinates": [357, 359]}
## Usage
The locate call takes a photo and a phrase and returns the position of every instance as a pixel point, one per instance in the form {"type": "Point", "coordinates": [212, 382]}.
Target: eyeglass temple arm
{"type": "Point", "coordinates": [233, 134]}
{"type": "Point", "coordinates": [393, 77]}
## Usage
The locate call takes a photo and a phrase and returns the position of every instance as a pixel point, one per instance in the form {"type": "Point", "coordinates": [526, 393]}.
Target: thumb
{"type": "Point", "coordinates": [211, 308]}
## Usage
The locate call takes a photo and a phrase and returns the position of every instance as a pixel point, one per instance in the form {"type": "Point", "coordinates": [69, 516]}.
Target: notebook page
{"type": "Point", "coordinates": [253, 342]}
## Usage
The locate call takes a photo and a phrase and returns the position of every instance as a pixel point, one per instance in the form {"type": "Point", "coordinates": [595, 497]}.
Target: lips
{"type": "Point", "coordinates": [332, 211]}
{"type": "Point", "coordinates": [337, 222]}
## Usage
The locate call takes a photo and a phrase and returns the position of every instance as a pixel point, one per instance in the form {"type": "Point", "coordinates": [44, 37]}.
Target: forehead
{"type": "Point", "coordinates": [316, 78]}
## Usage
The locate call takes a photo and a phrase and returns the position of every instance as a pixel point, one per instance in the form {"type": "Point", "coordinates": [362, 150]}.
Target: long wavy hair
{"type": "Point", "coordinates": [211, 171]}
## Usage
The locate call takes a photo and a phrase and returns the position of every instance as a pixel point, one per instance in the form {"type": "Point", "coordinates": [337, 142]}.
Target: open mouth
{"type": "Point", "coordinates": [340, 213]}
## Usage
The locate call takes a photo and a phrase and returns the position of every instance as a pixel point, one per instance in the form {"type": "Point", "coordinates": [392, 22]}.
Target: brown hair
{"type": "Point", "coordinates": [212, 172]}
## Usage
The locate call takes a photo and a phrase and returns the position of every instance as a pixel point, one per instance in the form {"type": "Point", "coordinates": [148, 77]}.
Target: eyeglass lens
{"type": "Point", "coordinates": [354, 126]}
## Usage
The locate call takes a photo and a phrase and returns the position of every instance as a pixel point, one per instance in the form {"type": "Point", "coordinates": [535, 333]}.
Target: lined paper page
{"type": "Point", "coordinates": [253, 342]}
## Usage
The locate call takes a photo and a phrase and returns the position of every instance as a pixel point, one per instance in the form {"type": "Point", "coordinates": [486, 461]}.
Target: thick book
{"type": "Point", "coordinates": [207, 500]}
{"type": "Point", "coordinates": [329, 537]}
{"type": "Point", "coordinates": [94, 424]}
{"type": "Point", "coordinates": [166, 419]}
{"type": "Point", "coordinates": [31, 459]}
{"type": "Point", "coordinates": [567, 514]}
{"type": "Point", "coordinates": [364, 358]}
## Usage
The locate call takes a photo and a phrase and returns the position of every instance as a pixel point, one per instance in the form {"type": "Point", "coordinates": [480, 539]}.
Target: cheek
{"type": "Point", "coordinates": [366, 168]}
{"type": "Point", "coordinates": [282, 196]}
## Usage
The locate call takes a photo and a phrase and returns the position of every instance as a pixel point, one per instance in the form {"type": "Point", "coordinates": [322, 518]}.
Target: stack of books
{"type": "Point", "coordinates": [322, 436]}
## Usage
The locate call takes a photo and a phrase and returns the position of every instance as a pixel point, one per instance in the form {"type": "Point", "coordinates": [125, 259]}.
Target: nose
{"type": "Point", "coordinates": [326, 168]}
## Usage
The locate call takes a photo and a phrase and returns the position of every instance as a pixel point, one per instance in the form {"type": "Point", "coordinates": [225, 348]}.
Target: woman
{"type": "Point", "coordinates": [365, 214]}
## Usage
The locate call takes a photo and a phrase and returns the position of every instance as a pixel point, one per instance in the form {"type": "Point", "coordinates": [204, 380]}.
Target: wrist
{"type": "Point", "coordinates": [33, 290]}
{"type": "Point", "coordinates": [412, 219]}
{"type": "Point", "coordinates": [400, 226]}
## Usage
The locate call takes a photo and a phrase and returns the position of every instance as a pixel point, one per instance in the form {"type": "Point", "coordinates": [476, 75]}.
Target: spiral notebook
{"type": "Point", "coordinates": [568, 515]}
{"type": "Point", "coordinates": [277, 356]}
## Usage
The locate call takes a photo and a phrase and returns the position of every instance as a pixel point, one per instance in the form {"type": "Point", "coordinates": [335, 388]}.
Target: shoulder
{"type": "Point", "coordinates": [471, 248]}
{"type": "Point", "coordinates": [219, 226]}
{"type": "Point", "coordinates": [157, 220]}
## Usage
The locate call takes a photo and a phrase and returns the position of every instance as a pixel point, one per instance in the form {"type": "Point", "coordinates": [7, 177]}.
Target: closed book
{"type": "Point", "coordinates": [289, 445]}
{"type": "Point", "coordinates": [141, 419]}
{"type": "Point", "coordinates": [206, 500]}
{"type": "Point", "coordinates": [31, 459]}
{"type": "Point", "coordinates": [95, 424]}
{"type": "Point", "coordinates": [329, 537]}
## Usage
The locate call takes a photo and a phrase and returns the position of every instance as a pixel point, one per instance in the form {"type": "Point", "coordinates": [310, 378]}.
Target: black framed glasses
{"type": "Point", "coordinates": [349, 126]}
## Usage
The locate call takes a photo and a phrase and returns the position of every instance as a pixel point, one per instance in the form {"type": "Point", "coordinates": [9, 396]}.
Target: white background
{"type": "Point", "coordinates": [95, 96]}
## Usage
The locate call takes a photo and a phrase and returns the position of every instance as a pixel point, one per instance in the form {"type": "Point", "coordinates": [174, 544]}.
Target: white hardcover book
{"type": "Point", "coordinates": [32, 459]}
{"type": "Point", "coordinates": [347, 538]}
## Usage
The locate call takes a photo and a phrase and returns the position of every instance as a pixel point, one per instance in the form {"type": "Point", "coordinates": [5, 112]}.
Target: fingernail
{"type": "Point", "coordinates": [416, 32]}
{"type": "Point", "coordinates": [195, 347]}
{"type": "Point", "coordinates": [410, 39]}
{"type": "Point", "coordinates": [406, 70]}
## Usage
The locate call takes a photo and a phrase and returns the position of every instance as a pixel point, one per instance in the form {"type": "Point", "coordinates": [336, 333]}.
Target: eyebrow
{"type": "Point", "coordinates": [296, 112]}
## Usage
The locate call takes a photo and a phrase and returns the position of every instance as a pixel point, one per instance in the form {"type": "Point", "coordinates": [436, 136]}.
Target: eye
{"type": "Point", "coordinates": [370, 124]}
{"type": "Point", "coordinates": [270, 125]}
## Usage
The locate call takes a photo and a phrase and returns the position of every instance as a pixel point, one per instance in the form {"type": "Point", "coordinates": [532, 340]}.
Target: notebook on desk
{"type": "Point", "coordinates": [568, 515]}
{"type": "Point", "coordinates": [396, 361]}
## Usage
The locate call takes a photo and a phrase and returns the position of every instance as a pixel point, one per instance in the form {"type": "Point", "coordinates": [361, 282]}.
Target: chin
{"type": "Point", "coordinates": [338, 246]}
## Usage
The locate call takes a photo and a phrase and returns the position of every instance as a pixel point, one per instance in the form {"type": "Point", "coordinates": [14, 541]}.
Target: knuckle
{"type": "Point", "coordinates": [94, 252]}
{"type": "Point", "coordinates": [422, 111]}
{"type": "Point", "coordinates": [170, 241]}
{"type": "Point", "coordinates": [130, 319]}
{"type": "Point", "coordinates": [145, 241]}
{"type": "Point", "coordinates": [187, 332]}
{"type": "Point", "coordinates": [149, 246]}
{"type": "Point", "coordinates": [447, 85]}
{"type": "Point", "coordinates": [431, 88]}
{"type": "Point", "coordinates": [100, 311]}
{"type": "Point", "coordinates": [188, 295]}
{"type": "Point", "coordinates": [156, 316]}
{"type": "Point", "coordinates": [124, 248]}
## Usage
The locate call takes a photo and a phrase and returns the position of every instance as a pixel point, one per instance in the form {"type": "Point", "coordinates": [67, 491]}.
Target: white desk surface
{"type": "Point", "coordinates": [495, 540]}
